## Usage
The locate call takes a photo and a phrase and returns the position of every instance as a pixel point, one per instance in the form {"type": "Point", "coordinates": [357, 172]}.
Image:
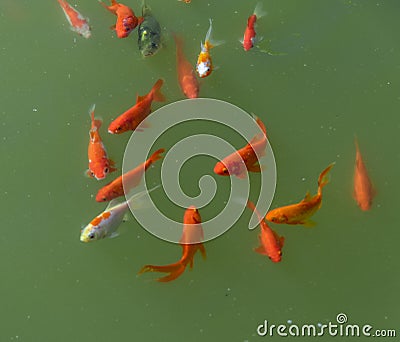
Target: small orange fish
{"type": "Point", "coordinates": [246, 156]}
{"type": "Point", "coordinates": [249, 38]}
{"type": "Point", "coordinates": [126, 19]}
{"type": "Point", "coordinates": [78, 22]}
{"type": "Point", "coordinates": [204, 65]}
{"type": "Point", "coordinates": [363, 188]}
{"type": "Point", "coordinates": [186, 75]}
{"type": "Point", "coordinates": [270, 242]}
{"type": "Point", "coordinates": [300, 213]}
{"type": "Point", "coordinates": [191, 235]}
{"type": "Point", "coordinates": [186, 1]}
{"type": "Point", "coordinates": [130, 119]}
{"type": "Point", "coordinates": [99, 164]}
{"type": "Point", "coordinates": [131, 179]}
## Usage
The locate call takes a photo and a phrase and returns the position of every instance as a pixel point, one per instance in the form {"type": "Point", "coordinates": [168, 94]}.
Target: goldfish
{"type": "Point", "coordinates": [99, 164]}
{"type": "Point", "coordinates": [363, 188]}
{"type": "Point", "coordinates": [186, 75]}
{"type": "Point", "coordinates": [131, 118]}
{"type": "Point", "coordinates": [245, 159]}
{"type": "Point", "coordinates": [149, 33]}
{"type": "Point", "coordinates": [270, 242]}
{"type": "Point", "coordinates": [249, 38]}
{"type": "Point", "coordinates": [78, 22]}
{"type": "Point", "coordinates": [204, 64]}
{"type": "Point", "coordinates": [126, 19]}
{"type": "Point", "coordinates": [130, 179]}
{"type": "Point", "coordinates": [300, 213]}
{"type": "Point", "coordinates": [106, 223]}
{"type": "Point", "coordinates": [191, 238]}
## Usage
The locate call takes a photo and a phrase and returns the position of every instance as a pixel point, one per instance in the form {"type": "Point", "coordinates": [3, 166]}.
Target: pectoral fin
{"type": "Point", "coordinates": [309, 223]}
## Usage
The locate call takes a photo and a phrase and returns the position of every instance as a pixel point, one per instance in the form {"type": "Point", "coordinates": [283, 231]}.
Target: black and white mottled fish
{"type": "Point", "coordinates": [149, 33]}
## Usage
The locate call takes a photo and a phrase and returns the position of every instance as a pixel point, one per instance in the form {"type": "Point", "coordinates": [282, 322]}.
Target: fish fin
{"type": "Point", "coordinates": [140, 20]}
{"type": "Point", "coordinates": [281, 241]}
{"type": "Point", "coordinates": [88, 173]}
{"type": "Point", "coordinates": [241, 41]}
{"type": "Point", "coordinates": [258, 11]}
{"type": "Point", "coordinates": [203, 251]}
{"type": "Point", "coordinates": [308, 223]}
{"type": "Point", "coordinates": [157, 95]}
{"type": "Point", "coordinates": [113, 27]}
{"type": "Point", "coordinates": [113, 235]}
{"type": "Point", "coordinates": [323, 178]}
{"type": "Point", "coordinates": [174, 270]}
{"type": "Point", "coordinates": [137, 201]}
{"type": "Point", "coordinates": [140, 98]}
{"type": "Point", "coordinates": [260, 250]}
{"type": "Point", "coordinates": [209, 42]}
{"type": "Point", "coordinates": [157, 155]}
{"type": "Point", "coordinates": [307, 197]}
{"type": "Point", "coordinates": [125, 218]}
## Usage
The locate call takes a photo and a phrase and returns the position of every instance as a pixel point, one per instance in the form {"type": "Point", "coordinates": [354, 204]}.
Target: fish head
{"type": "Point", "coordinates": [90, 233]}
{"type": "Point", "coordinates": [275, 217]}
{"type": "Point", "coordinates": [276, 256]}
{"type": "Point", "coordinates": [149, 40]}
{"type": "Point", "coordinates": [203, 68]}
{"type": "Point", "coordinates": [102, 196]}
{"type": "Point", "coordinates": [128, 24]}
{"type": "Point", "coordinates": [100, 170]}
{"type": "Point", "coordinates": [221, 169]}
{"type": "Point", "coordinates": [191, 90]}
{"type": "Point", "coordinates": [117, 127]}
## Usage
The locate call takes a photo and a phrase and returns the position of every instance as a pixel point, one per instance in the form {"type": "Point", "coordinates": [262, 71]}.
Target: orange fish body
{"type": "Point", "coordinates": [126, 19]}
{"type": "Point", "coordinates": [190, 241]}
{"type": "Point", "coordinates": [131, 118]}
{"type": "Point", "coordinates": [271, 243]}
{"type": "Point", "coordinates": [245, 159]}
{"type": "Point", "coordinates": [363, 188]}
{"type": "Point", "coordinates": [77, 21]}
{"type": "Point", "coordinates": [131, 179]}
{"type": "Point", "coordinates": [300, 213]}
{"type": "Point", "coordinates": [249, 37]}
{"type": "Point", "coordinates": [186, 75]}
{"type": "Point", "coordinates": [99, 164]}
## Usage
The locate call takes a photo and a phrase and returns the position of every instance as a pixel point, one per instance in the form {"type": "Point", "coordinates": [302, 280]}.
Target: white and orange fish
{"type": "Point", "coordinates": [204, 65]}
{"type": "Point", "coordinates": [78, 22]}
{"type": "Point", "coordinates": [106, 223]}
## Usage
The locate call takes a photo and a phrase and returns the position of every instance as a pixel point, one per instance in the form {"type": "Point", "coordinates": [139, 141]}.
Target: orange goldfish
{"type": "Point", "coordinates": [131, 118]}
{"type": "Point", "coordinates": [270, 242]}
{"type": "Point", "coordinates": [126, 19]}
{"type": "Point", "coordinates": [131, 179]}
{"type": "Point", "coordinates": [204, 64]}
{"type": "Point", "coordinates": [99, 164]}
{"type": "Point", "coordinates": [190, 241]}
{"type": "Point", "coordinates": [249, 38]}
{"type": "Point", "coordinates": [300, 213]}
{"type": "Point", "coordinates": [363, 188]}
{"type": "Point", "coordinates": [78, 22]}
{"type": "Point", "coordinates": [186, 75]}
{"type": "Point", "coordinates": [246, 156]}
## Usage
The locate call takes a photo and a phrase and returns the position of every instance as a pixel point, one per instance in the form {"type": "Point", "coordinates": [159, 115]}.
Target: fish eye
{"type": "Point", "coordinates": [91, 236]}
{"type": "Point", "coordinates": [106, 170]}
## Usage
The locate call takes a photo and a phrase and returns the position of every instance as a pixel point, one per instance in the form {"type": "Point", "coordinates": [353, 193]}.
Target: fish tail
{"type": "Point", "coordinates": [96, 123]}
{"type": "Point", "coordinates": [258, 11]}
{"type": "Point", "coordinates": [154, 157]}
{"type": "Point", "coordinates": [252, 207]}
{"type": "Point", "coordinates": [157, 95]}
{"type": "Point", "coordinates": [209, 42]}
{"type": "Point", "coordinates": [260, 124]}
{"type": "Point", "coordinates": [174, 270]}
{"type": "Point", "coordinates": [323, 178]}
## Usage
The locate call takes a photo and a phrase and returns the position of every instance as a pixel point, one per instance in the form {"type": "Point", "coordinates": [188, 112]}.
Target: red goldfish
{"type": "Point", "coordinates": [204, 65]}
{"type": "Point", "coordinates": [186, 75]}
{"type": "Point", "coordinates": [78, 22]}
{"type": "Point", "coordinates": [246, 156]}
{"type": "Point", "coordinates": [190, 241]}
{"type": "Point", "coordinates": [131, 118]}
{"type": "Point", "coordinates": [363, 188]}
{"type": "Point", "coordinates": [249, 38]}
{"type": "Point", "coordinates": [300, 213]}
{"type": "Point", "coordinates": [270, 242]}
{"type": "Point", "coordinates": [99, 164]}
{"type": "Point", "coordinates": [126, 19]}
{"type": "Point", "coordinates": [131, 179]}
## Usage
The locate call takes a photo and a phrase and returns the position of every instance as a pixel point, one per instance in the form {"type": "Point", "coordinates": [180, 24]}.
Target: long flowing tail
{"type": "Point", "coordinates": [323, 178]}
{"type": "Point", "coordinates": [174, 270]}
{"type": "Point", "coordinates": [154, 157]}
{"type": "Point", "coordinates": [157, 94]}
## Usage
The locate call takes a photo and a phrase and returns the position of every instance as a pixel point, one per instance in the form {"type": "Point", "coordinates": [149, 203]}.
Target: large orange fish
{"type": "Point", "coordinates": [270, 242]}
{"type": "Point", "coordinates": [131, 179]}
{"type": "Point", "coordinates": [363, 188]}
{"type": "Point", "coordinates": [99, 164]}
{"type": "Point", "coordinates": [126, 19]}
{"type": "Point", "coordinates": [245, 159]}
{"type": "Point", "coordinates": [130, 119]}
{"type": "Point", "coordinates": [186, 75]}
{"type": "Point", "coordinates": [78, 22]}
{"type": "Point", "coordinates": [190, 241]}
{"type": "Point", "coordinates": [249, 38]}
{"type": "Point", "coordinates": [300, 213]}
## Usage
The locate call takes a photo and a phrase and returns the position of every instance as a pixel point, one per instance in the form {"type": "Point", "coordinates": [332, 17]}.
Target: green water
{"type": "Point", "coordinates": [339, 76]}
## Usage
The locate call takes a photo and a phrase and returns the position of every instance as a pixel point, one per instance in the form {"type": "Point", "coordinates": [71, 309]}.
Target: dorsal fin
{"type": "Point", "coordinates": [308, 197]}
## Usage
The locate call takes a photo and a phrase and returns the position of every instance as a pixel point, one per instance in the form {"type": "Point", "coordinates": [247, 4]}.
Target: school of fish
{"type": "Point", "coordinates": [238, 164]}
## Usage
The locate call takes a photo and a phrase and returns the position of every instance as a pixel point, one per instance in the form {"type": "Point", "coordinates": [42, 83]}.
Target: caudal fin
{"type": "Point", "coordinates": [258, 11]}
{"type": "Point", "coordinates": [323, 178]}
{"type": "Point", "coordinates": [174, 270]}
{"type": "Point", "coordinates": [209, 39]}
{"type": "Point", "coordinates": [96, 123]}
{"type": "Point", "coordinates": [157, 95]}
{"type": "Point", "coordinates": [154, 157]}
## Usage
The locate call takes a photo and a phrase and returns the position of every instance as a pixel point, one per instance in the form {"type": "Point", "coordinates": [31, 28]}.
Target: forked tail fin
{"type": "Point", "coordinates": [174, 270]}
{"type": "Point", "coordinates": [323, 178]}
{"type": "Point", "coordinates": [157, 95]}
